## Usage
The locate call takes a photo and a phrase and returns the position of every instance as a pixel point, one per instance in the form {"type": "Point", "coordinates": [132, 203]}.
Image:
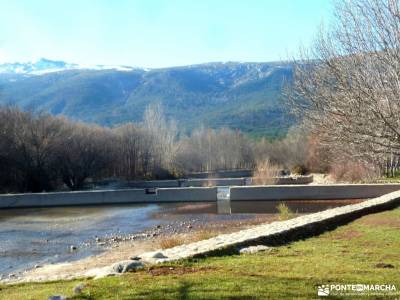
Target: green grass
{"type": "Point", "coordinates": [349, 254]}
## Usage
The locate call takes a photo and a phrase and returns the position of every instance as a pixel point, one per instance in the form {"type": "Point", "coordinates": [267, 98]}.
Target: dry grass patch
{"type": "Point", "coordinates": [180, 239]}
{"type": "Point", "coordinates": [265, 173]}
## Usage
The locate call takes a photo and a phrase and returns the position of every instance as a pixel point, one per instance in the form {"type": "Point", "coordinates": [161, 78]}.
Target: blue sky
{"type": "Point", "coordinates": [157, 33]}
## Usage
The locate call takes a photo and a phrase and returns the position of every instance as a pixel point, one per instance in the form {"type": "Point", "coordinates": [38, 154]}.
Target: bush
{"type": "Point", "coordinates": [353, 172]}
{"type": "Point", "coordinates": [284, 212]}
{"type": "Point", "coordinates": [265, 173]}
{"type": "Point", "coordinates": [299, 170]}
{"type": "Point", "coordinates": [163, 174]}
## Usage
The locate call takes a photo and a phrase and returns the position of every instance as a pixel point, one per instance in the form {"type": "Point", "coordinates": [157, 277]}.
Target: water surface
{"type": "Point", "coordinates": [44, 235]}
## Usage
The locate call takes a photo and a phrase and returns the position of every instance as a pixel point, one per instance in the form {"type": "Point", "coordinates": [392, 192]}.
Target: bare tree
{"type": "Point", "coordinates": [86, 152]}
{"type": "Point", "coordinates": [163, 135]}
{"type": "Point", "coordinates": [347, 87]}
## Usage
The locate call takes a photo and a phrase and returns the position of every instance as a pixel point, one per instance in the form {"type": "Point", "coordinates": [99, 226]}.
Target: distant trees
{"type": "Point", "coordinates": [347, 87]}
{"type": "Point", "coordinates": [85, 151]}
{"type": "Point", "coordinates": [28, 146]}
{"type": "Point", "coordinates": [209, 150]}
{"type": "Point", "coordinates": [288, 152]}
{"type": "Point", "coordinates": [39, 152]}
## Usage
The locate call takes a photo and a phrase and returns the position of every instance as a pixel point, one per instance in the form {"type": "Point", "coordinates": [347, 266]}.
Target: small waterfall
{"type": "Point", "coordinates": [223, 200]}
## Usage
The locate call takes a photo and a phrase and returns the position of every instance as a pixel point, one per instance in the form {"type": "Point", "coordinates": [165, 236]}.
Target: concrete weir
{"type": "Point", "coordinates": [193, 194]}
{"type": "Point", "coordinates": [109, 197]}
{"type": "Point", "coordinates": [311, 192]}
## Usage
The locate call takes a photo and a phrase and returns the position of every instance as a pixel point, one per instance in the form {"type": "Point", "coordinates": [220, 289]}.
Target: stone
{"type": "Point", "coordinates": [158, 255]}
{"type": "Point", "coordinates": [135, 258]}
{"type": "Point", "coordinates": [127, 266]}
{"type": "Point", "coordinates": [77, 290]}
{"type": "Point", "coordinates": [72, 248]}
{"type": "Point", "coordinates": [254, 249]}
{"type": "Point", "coordinates": [57, 297]}
{"type": "Point", "coordinates": [98, 273]}
{"type": "Point", "coordinates": [384, 266]}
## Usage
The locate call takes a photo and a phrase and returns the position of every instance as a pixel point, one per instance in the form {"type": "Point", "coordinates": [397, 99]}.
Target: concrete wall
{"type": "Point", "coordinates": [222, 174]}
{"type": "Point", "coordinates": [197, 182]}
{"type": "Point", "coordinates": [303, 179]}
{"type": "Point", "coordinates": [107, 197]}
{"type": "Point", "coordinates": [295, 180]}
{"type": "Point", "coordinates": [154, 184]}
{"type": "Point", "coordinates": [304, 192]}
{"type": "Point", "coordinates": [203, 182]}
{"type": "Point", "coordinates": [188, 194]}
{"type": "Point", "coordinates": [215, 182]}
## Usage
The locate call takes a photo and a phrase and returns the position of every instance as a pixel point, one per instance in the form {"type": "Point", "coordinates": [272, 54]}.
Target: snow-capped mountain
{"type": "Point", "coordinates": [43, 66]}
{"type": "Point", "coordinates": [245, 96]}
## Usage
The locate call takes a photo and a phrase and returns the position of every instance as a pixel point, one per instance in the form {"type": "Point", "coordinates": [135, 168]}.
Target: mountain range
{"type": "Point", "coordinates": [243, 96]}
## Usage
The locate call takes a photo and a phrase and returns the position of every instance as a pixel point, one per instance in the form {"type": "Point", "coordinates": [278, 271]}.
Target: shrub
{"type": "Point", "coordinates": [284, 211]}
{"type": "Point", "coordinates": [353, 172]}
{"type": "Point", "coordinates": [299, 170]}
{"type": "Point", "coordinates": [265, 173]}
{"type": "Point", "coordinates": [170, 242]}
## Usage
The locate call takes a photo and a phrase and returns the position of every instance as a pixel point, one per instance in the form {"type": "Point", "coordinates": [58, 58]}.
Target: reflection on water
{"type": "Point", "coordinates": [44, 235]}
{"type": "Point", "coordinates": [225, 206]}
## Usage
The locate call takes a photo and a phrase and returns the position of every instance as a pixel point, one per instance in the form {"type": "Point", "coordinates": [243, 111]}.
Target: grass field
{"type": "Point", "coordinates": [365, 251]}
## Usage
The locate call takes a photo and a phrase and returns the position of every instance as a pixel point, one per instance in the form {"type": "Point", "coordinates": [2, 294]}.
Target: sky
{"type": "Point", "coordinates": [157, 33]}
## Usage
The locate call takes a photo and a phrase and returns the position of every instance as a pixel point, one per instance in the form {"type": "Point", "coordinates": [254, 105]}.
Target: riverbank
{"type": "Point", "coordinates": [364, 251]}
{"type": "Point", "coordinates": [40, 240]}
{"type": "Point", "coordinates": [123, 247]}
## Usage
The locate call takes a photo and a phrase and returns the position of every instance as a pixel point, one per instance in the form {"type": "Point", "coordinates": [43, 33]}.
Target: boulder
{"type": "Point", "coordinates": [57, 297]}
{"type": "Point", "coordinates": [77, 290]}
{"type": "Point", "coordinates": [254, 249]}
{"type": "Point", "coordinates": [127, 266]}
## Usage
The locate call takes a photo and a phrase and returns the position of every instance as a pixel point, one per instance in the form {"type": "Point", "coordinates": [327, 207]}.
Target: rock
{"type": "Point", "coordinates": [127, 266]}
{"type": "Point", "coordinates": [158, 255]}
{"type": "Point", "coordinates": [384, 266]}
{"type": "Point", "coordinates": [254, 249]}
{"type": "Point", "coordinates": [153, 257]}
{"type": "Point", "coordinates": [189, 226]}
{"type": "Point", "coordinates": [135, 258]}
{"type": "Point", "coordinates": [57, 297]}
{"type": "Point", "coordinates": [98, 239]}
{"type": "Point", "coordinates": [101, 272]}
{"type": "Point", "coordinates": [37, 266]}
{"type": "Point", "coordinates": [77, 290]}
{"type": "Point", "coordinates": [162, 260]}
{"type": "Point", "coordinates": [72, 248]}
